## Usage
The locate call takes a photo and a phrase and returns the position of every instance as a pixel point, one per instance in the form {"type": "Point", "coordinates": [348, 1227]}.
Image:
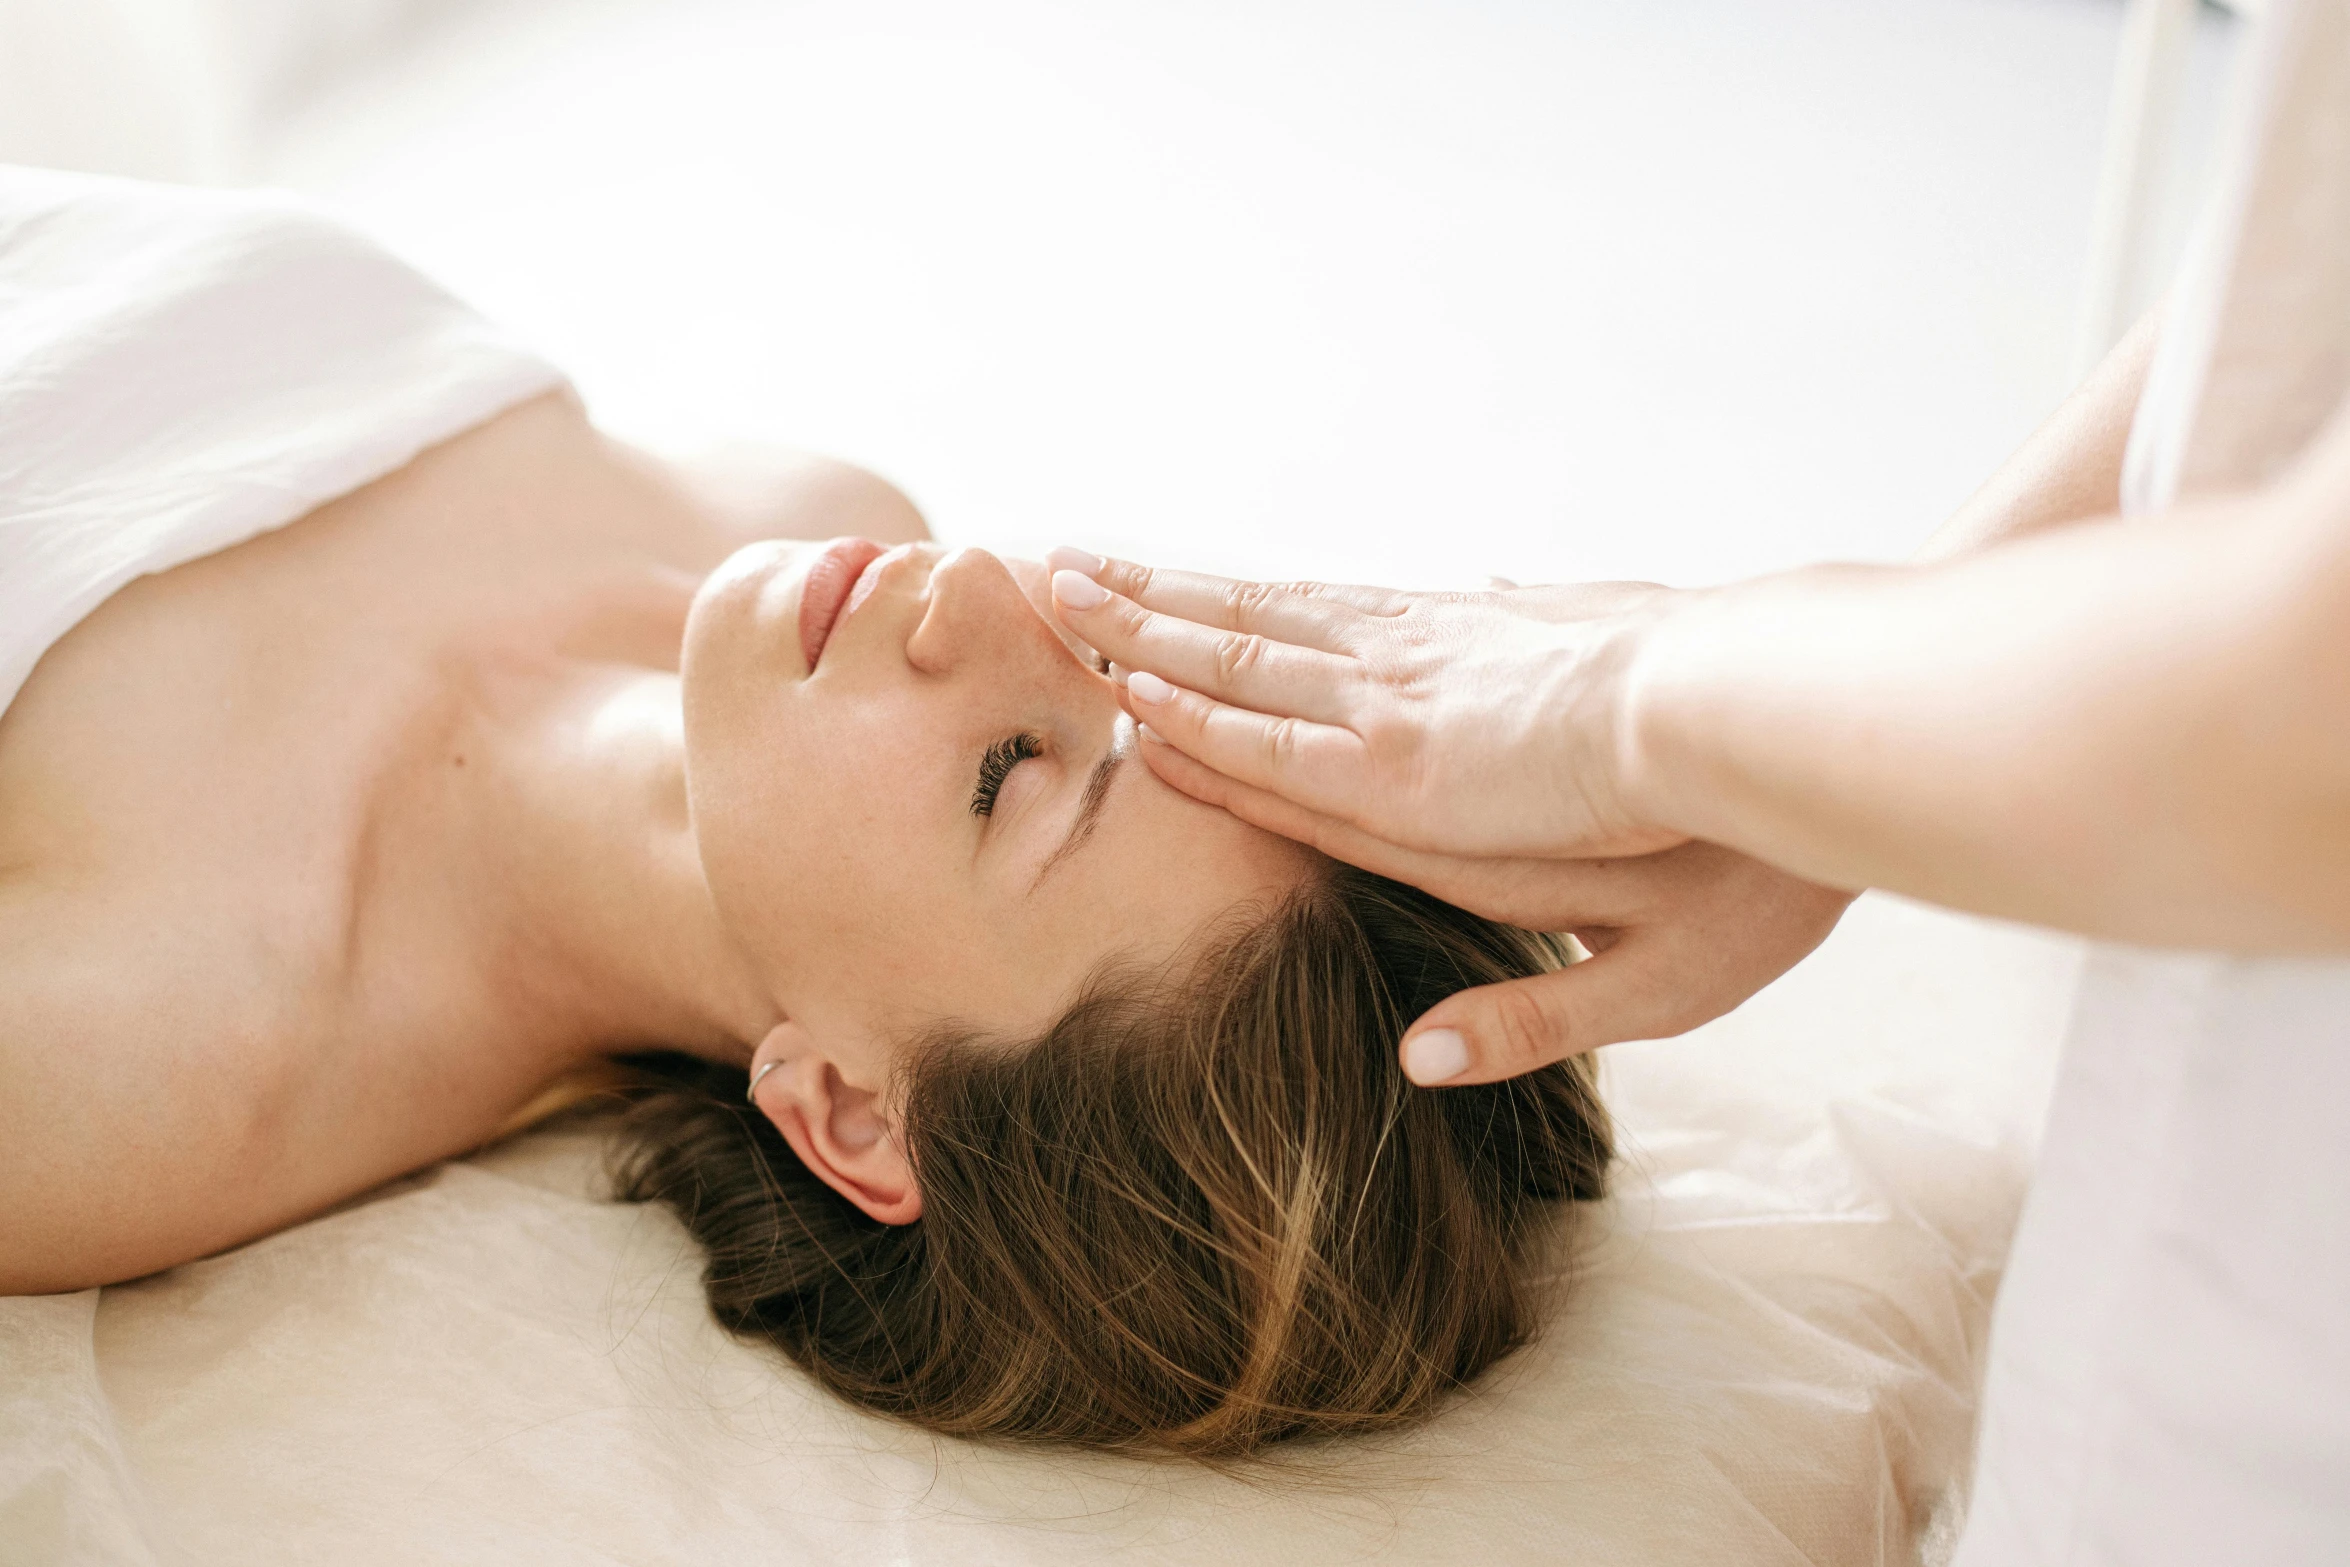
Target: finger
{"type": "Point", "coordinates": [1548, 895]}
{"type": "Point", "coordinates": [1234, 666]}
{"type": "Point", "coordinates": [1322, 767]}
{"type": "Point", "coordinates": [1261, 808]}
{"type": "Point", "coordinates": [1310, 614]}
{"type": "Point", "coordinates": [1500, 1031]}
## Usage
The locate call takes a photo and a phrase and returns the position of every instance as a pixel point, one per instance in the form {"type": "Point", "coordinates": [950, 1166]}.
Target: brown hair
{"type": "Point", "coordinates": [1205, 1211]}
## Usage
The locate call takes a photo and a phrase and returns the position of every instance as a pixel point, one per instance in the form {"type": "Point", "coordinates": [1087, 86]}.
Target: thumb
{"type": "Point", "coordinates": [1506, 1030]}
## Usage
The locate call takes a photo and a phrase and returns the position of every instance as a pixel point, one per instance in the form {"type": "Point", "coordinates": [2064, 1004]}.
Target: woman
{"type": "Point", "coordinates": [332, 834]}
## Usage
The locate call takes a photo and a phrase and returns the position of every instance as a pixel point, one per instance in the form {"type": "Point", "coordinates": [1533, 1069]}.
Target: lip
{"type": "Point", "coordinates": [824, 592]}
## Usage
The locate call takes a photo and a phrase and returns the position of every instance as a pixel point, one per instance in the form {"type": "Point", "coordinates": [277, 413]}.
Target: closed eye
{"type": "Point", "coordinates": [997, 765]}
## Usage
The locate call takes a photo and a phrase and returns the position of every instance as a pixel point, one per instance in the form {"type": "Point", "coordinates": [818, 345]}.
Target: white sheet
{"type": "Point", "coordinates": [1770, 1356]}
{"type": "Point", "coordinates": [183, 369]}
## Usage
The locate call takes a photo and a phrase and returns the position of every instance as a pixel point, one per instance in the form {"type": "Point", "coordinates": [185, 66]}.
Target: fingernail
{"type": "Point", "coordinates": [1062, 558]}
{"type": "Point", "coordinates": [1079, 592]}
{"type": "Point", "coordinates": [1148, 733]}
{"type": "Point", "coordinates": [1117, 674]}
{"type": "Point", "coordinates": [1436, 1055]}
{"type": "Point", "coordinates": [1144, 686]}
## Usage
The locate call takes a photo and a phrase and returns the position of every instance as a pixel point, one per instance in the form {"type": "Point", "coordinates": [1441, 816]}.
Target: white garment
{"type": "Point", "coordinates": [2169, 1378]}
{"type": "Point", "coordinates": [183, 369]}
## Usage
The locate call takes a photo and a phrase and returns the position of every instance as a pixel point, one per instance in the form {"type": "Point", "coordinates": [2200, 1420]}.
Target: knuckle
{"type": "Point", "coordinates": [1130, 617]}
{"type": "Point", "coordinates": [1237, 654]}
{"type": "Point", "coordinates": [1527, 1032]}
{"type": "Point", "coordinates": [1281, 741]}
{"type": "Point", "coordinates": [1245, 599]}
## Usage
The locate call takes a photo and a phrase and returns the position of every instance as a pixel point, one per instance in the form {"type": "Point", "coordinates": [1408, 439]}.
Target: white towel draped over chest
{"type": "Point", "coordinates": [2170, 1362]}
{"type": "Point", "coordinates": [183, 369]}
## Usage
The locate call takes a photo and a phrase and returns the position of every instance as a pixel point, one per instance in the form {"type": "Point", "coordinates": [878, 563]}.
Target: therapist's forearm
{"type": "Point", "coordinates": [2133, 730]}
{"type": "Point", "coordinates": [2071, 466]}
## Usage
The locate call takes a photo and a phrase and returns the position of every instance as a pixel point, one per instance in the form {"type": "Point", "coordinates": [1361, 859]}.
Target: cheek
{"type": "Point", "coordinates": [826, 849]}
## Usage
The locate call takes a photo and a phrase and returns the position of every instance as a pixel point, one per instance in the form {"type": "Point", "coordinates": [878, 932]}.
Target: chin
{"type": "Point", "coordinates": [741, 638]}
{"type": "Point", "coordinates": [745, 615]}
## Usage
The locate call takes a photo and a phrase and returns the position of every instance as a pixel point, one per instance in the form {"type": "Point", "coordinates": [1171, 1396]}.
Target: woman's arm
{"type": "Point", "coordinates": [1707, 927]}
{"type": "Point", "coordinates": [2135, 730]}
{"type": "Point", "coordinates": [2138, 730]}
{"type": "Point", "coordinates": [1469, 724]}
{"type": "Point", "coordinates": [2070, 468]}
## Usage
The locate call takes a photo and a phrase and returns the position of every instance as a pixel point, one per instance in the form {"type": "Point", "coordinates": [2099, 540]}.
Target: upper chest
{"type": "Point", "coordinates": [210, 755]}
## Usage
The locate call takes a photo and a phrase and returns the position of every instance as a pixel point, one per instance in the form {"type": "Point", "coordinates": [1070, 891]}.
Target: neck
{"type": "Point", "coordinates": [579, 855]}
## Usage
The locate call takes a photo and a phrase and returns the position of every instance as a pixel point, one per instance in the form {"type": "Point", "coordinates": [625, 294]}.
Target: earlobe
{"type": "Point", "coordinates": [841, 1131]}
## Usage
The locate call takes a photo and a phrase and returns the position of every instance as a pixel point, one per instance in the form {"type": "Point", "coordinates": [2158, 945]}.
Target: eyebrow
{"type": "Point", "coordinates": [1089, 808]}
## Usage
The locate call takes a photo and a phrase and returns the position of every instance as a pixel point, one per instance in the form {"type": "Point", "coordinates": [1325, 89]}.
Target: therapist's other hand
{"type": "Point", "coordinates": [1678, 937]}
{"type": "Point", "coordinates": [1475, 724]}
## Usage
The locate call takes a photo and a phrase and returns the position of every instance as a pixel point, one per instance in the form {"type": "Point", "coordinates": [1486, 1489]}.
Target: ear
{"type": "Point", "coordinates": [840, 1130]}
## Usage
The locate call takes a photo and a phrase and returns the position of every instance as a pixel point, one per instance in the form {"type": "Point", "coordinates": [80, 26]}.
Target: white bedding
{"type": "Point", "coordinates": [1769, 1356]}
{"type": "Point", "coordinates": [1766, 1355]}
{"type": "Point", "coordinates": [183, 369]}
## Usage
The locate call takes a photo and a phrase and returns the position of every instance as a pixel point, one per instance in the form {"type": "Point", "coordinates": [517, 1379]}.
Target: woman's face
{"type": "Point", "coordinates": [917, 802]}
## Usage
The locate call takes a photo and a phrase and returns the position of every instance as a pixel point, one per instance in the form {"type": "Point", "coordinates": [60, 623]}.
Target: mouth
{"type": "Point", "coordinates": [835, 584]}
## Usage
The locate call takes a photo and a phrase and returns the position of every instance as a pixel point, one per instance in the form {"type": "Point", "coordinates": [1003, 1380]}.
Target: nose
{"type": "Point", "coordinates": [975, 611]}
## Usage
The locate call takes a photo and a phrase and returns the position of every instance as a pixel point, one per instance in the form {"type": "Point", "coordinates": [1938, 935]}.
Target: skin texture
{"type": "Point", "coordinates": [2130, 731]}
{"type": "Point", "coordinates": [857, 778]}
{"type": "Point", "coordinates": [2133, 730]}
{"type": "Point", "coordinates": [323, 856]}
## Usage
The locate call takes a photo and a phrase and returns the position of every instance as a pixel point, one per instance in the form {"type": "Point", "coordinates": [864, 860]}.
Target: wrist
{"type": "Point", "coordinates": [1646, 721]}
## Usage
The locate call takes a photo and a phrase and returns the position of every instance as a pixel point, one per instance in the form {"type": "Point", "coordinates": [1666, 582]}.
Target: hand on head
{"type": "Point", "coordinates": [1463, 743]}
{"type": "Point", "coordinates": [1457, 723]}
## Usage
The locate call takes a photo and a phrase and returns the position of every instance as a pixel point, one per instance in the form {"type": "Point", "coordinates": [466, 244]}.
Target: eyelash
{"type": "Point", "coordinates": [997, 765]}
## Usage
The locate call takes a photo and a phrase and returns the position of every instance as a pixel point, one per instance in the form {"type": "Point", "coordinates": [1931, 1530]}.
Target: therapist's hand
{"type": "Point", "coordinates": [1473, 724]}
{"type": "Point", "coordinates": [1678, 937]}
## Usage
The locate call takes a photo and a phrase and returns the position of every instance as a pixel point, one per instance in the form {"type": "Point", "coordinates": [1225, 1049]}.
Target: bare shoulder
{"type": "Point", "coordinates": [543, 470]}
{"type": "Point", "coordinates": [126, 1141]}
{"type": "Point", "coordinates": [757, 491]}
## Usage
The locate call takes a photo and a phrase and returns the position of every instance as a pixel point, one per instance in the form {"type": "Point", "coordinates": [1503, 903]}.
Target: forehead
{"type": "Point", "coordinates": [1158, 869]}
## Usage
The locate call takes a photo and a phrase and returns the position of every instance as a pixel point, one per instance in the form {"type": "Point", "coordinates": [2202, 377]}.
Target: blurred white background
{"type": "Point", "coordinates": [1407, 290]}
